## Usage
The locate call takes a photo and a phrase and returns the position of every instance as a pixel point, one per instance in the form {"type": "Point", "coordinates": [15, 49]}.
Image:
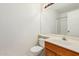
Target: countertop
{"type": "Point", "coordinates": [71, 43]}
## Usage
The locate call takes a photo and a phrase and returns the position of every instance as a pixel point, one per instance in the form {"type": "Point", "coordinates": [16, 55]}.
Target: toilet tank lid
{"type": "Point", "coordinates": [41, 39]}
{"type": "Point", "coordinates": [36, 49]}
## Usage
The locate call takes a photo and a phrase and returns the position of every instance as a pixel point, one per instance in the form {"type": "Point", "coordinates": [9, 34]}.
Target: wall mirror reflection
{"type": "Point", "coordinates": [60, 18]}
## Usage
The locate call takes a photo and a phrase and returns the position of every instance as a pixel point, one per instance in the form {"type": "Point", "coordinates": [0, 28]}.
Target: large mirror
{"type": "Point", "coordinates": [60, 18]}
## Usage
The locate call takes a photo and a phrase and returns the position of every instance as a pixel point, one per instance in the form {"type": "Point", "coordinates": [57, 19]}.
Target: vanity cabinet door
{"type": "Point", "coordinates": [58, 50]}
{"type": "Point", "coordinates": [49, 53]}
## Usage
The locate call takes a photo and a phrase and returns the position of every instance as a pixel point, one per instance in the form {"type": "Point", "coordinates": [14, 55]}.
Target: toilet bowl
{"type": "Point", "coordinates": [36, 50]}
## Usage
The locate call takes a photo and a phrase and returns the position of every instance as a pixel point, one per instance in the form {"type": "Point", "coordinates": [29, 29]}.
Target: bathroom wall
{"type": "Point", "coordinates": [73, 22]}
{"type": "Point", "coordinates": [19, 25]}
{"type": "Point", "coordinates": [48, 21]}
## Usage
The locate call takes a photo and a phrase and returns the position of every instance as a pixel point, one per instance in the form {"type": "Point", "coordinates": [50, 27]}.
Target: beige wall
{"type": "Point", "coordinates": [19, 24]}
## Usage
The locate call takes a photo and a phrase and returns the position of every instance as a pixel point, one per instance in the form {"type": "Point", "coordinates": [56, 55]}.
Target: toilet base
{"type": "Point", "coordinates": [36, 50]}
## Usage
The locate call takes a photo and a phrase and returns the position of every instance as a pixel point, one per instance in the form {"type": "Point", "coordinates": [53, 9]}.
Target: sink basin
{"type": "Point", "coordinates": [64, 41]}
{"type": "Point", "coordinates": [71, 43]}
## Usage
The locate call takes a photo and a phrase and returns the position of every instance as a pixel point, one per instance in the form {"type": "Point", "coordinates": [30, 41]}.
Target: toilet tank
{"type": "Point", "coordinates": [42, 42]}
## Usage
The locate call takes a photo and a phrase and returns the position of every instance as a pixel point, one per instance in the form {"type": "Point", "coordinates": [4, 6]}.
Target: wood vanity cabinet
{"type": "Point", "coordinates": [55, 50]}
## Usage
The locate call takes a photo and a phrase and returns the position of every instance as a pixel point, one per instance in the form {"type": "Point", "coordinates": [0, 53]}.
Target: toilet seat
{"type": "Point", "coordinates": [36, 49]}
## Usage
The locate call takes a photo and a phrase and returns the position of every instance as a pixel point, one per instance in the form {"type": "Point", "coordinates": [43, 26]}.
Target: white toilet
{"type": "Point", "coordinates": [36, 50]}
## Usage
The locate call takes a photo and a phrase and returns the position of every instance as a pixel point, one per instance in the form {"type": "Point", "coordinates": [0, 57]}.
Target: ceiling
{"type": "Point", "coordinates": [64, 7]}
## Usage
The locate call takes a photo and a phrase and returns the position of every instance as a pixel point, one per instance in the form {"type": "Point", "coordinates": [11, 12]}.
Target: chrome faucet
{"type": "Point", "coordinates": [64, 38]}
